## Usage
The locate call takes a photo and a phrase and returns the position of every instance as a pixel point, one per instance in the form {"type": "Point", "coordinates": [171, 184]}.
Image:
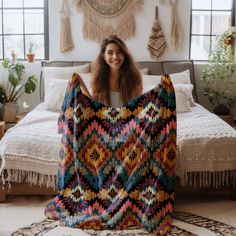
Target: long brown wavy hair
{"type": "Point", "coordinates": [129, 82]}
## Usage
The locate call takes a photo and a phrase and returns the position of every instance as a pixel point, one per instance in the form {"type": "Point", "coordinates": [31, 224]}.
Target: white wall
{"type": "Point", "coordinates": [87, 50]}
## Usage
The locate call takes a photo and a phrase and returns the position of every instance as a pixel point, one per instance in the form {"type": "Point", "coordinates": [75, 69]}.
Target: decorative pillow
{"type": "Point", "coordinates": [182, 102]}
{"type": "Point", "coordinates": [144, 71]}
{"type": "Point", "coordinates": [183, 95]}
{"type": "Point", "coordinates": [86, 78]}
{"type": "Point", "coordinates": [63, 73]}
{"type": "Point", "coordinates": [150, 81]}
{"type": "Point", "coordinates": [188, 89]}
{"type": "Point", "coordinates": [54, 99]}
{"type": "Point", "coordinates": [181, 77]}
{"type": "Point", "coordinates": [57, 88]}
{"type": "Point", "coordinates": [184, 78]}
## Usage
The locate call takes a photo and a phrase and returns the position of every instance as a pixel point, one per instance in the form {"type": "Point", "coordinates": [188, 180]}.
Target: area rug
{"type": "Point", "coordinates": [184, 224]}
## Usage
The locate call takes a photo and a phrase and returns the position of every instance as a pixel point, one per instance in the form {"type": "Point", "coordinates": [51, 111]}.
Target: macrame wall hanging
{"type": "Point", "coordinates": [106, 17]}
{"type": "Point", "coordinates": [175, 25]}
{"type": "Point", "coordinates": [162, 2]}
{"type": "Point", "coordinates": [66, 42]}
{"type": "Point", "coordinates": [157, 42]}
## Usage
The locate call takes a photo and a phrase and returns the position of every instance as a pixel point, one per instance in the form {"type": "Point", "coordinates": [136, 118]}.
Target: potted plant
{"type": "Point", "coordinates": [31, 54]}
{"type": "Point", "coordinates": [17, 84]}
{"type": "Point", "coordinates": [216, 77]}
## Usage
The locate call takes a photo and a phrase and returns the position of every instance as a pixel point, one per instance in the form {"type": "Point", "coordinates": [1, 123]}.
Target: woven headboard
{"type": "Point", "coordinates": [155, 68]}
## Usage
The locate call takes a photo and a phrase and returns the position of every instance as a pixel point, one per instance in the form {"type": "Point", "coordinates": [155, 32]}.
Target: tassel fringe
{"type": "Point", "coordinates": [118, 20]}
{"type": "Point", "coordinates": [32, 178]}
{"type": "Point", "coordinates": [210, 179]}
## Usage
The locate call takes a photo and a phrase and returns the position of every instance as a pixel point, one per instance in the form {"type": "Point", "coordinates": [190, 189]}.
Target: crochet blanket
{"type": "Point", "coordinates": [116, 163]}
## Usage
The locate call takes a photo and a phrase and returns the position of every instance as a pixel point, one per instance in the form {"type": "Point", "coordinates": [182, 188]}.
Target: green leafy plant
{"type": "Point", "coordinates": [17, 83]}
{"type": "Point", "coordinates": [217, 75]}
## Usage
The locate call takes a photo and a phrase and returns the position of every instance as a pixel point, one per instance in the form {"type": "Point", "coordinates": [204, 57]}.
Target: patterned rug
{"type": "Point", "coordinates": [182, 220]}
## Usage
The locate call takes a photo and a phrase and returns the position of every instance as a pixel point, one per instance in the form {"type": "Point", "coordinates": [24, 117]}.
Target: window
{"type": "Point", "coordinates": [209, 19]}
{"type": "Point", "coordinates": [23, 22]}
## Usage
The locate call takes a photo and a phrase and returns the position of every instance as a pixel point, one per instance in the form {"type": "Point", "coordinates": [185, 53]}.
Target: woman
{"type": "Point", "coordinates": [116, 78]}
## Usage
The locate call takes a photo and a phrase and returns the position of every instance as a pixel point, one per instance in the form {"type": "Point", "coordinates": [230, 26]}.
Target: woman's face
{"type": "Point", "coordinates": [113, 56]}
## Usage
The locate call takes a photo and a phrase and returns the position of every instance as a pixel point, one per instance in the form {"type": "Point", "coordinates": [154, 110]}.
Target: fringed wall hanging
{"type": "Point", "coordinates": [162, 2]}
{"type": "Point", "coordinates": [106, 17]}
{"type": "Point", "coordinates": [157, 42]}
{"type": "Point", "coordinates": [175, 25]}
{"type": "Point", "coordinates": [66, 42]}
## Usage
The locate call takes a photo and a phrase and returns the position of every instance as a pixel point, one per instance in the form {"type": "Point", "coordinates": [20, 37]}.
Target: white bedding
{"type": "Point", "coordinates": [30, 149]}
{"type": "Point", "coordinates": [206, 149]}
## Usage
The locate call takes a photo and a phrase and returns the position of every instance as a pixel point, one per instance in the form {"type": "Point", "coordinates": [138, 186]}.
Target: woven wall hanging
{"type": "Point", "coordinates": [106, 17]}
{"type": "Point", "coordinates": [66, 41]}
{"type": "Point", "coordinates": [156, 43]}
{"type": "Point", "coordinates": [175, 25]}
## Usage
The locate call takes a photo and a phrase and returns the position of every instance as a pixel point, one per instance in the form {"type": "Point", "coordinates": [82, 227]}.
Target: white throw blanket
{"type": "Point", "coordinates": [206, 149]}
{"type": "Point", "coordinates": [29, 150]}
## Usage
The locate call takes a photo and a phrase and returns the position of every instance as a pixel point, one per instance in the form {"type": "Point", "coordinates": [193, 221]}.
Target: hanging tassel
{"type": "Point", "coordinates": [66, 42]}
{"type": "Point", "coordinates": [175, 25]}
{"type": "Point", "coordinates": [162, 2]}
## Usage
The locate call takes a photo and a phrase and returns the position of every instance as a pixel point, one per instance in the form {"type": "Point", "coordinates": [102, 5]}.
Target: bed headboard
{"type": "Point", "coordinates": [155, 68]}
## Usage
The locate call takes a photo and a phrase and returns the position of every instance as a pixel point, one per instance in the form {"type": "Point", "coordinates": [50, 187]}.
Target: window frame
{"type": "Point", "coordinates": [233, 23]}
{"type": "Point", "coordinates": [46, 30]}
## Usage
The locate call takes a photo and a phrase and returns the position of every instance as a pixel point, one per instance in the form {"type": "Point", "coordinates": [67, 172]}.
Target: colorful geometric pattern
{"type": "Point", "coordinates": [117, 163]}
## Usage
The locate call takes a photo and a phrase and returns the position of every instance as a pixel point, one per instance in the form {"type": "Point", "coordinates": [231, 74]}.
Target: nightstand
{"type": "Point", "coordinates": [12, 124]}
{"type": "Point", "coordinates": [2, 129]}
{"type": "Point", "coordinates": [228, 119]}
{"type": "Point", "coordinates": [234, 124]}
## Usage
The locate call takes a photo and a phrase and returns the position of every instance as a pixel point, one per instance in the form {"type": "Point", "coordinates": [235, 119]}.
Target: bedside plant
{"type": "Point", "coordinates": [217, 75]}
{"type": "Point", "coordinates": [17, 84]}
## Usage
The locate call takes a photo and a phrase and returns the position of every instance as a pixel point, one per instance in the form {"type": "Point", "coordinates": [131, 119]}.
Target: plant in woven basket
{"type": "Point", "coordinates": [216, 77]}
{"type": "Point", "coordinates": [16, 85]}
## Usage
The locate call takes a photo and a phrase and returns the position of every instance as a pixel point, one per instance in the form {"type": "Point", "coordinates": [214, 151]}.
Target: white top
{"type": "Point", "coordinates": [115, 98]}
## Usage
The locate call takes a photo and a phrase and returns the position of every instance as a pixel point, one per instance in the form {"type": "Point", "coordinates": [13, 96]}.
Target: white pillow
{"type": "Point", "coordinates": [55, 97]}
{"type": "Point", "coordinates": [150, 81]}
{"type": "Point", "coordinates": [187, 89]}
{"type": "Point", "coordinates": [144, 71]}
{"type": "Point", "coordinates": [57, 90]}
{"type": "Point", "coordinates": [181, 77]}
{"type": "Point", "coordinates": [63, 73]}
{"type": "Point", "coordinates": [182, 102]}
{"type": "Point", "coordinates": [184, 99]}
{"type": "Point", "coordinates": [86, 78]}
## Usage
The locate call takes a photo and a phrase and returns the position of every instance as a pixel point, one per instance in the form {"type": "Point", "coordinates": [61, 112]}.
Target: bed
{"type": "Point", "coordinates": [206, 153]}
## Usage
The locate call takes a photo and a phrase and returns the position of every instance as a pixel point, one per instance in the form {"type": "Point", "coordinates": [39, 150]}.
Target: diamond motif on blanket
{"type": "Point", "coordinates": [171, 155]}
{"type": "Point", "coordinates": [129, 220]}
{"type": "Point", "coordinates": [151, 112]}
{"type": "Point", "coordinates": [113, 114]}
{"type": "Point", "coordinates": [148, 195]}
{"type": "Point", "coordinates": [132, 152]}
{"type": "Point", "coordinates": [95, 153]}
{"type": "Point", "coordinates": [76, 194]}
